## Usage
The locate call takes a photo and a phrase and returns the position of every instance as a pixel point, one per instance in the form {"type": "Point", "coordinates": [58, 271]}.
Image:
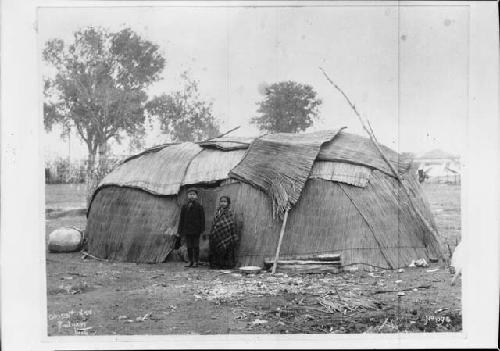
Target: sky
{"type": "Point", "coordinates": [404, 67]}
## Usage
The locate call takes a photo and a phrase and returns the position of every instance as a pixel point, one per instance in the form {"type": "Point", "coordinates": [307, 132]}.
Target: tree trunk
{"type": "Point", "coordinates": [101, 151]}
{"type": "Point", "coordinates": [90, 174]}
{"type": "Point", "coordinates": [90, 164]}
{"type": "Point", "coordinates": [97, 168]}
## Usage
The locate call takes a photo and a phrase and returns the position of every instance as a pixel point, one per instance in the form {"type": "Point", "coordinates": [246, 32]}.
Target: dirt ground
{"type": "Point", "coordinates": [90, 297]}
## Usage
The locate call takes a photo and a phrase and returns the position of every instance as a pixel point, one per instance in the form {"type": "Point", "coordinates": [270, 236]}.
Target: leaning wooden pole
{"type": "Point", "coordinates": [282, 232]}
{"type": "Point", "coordinates": [225, 133]}
{"type": "Point", "coordinates": [369, 130]}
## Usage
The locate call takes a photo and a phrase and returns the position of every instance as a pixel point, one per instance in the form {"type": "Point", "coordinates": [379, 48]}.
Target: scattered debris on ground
{"type": "Point", "coordinates": [418, 263]}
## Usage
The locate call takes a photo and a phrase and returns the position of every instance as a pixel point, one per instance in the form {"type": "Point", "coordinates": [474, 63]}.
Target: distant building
{"type": "Point", "coordinates": [437, 166]}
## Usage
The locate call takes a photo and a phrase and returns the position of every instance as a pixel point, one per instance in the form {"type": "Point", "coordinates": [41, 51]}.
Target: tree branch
{"type": "Point", "coordinates": [81, 133]}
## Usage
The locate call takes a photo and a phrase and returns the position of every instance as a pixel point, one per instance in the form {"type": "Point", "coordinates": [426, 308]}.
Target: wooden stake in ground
{"type": "Point", "coordinates": [282, 232]}
{"type": "Point", "coordinates": [369, 130]}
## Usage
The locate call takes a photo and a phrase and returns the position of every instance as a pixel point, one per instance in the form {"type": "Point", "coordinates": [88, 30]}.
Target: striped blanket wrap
{"type": "Point", "coordinates": [223, 234]}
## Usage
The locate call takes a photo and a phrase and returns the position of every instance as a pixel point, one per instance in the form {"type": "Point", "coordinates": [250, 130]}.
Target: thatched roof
{"type": "Point", "coordinates": [279, 165]}
{"type": "Point", "coordinates": [160, 172]}
{"type": "Point", "coordinates": [283, 158]}
{"type": "Point", "coordinates": [341, 172]}
{"type": "Point", "coordinates": [355, 149]}
{"type": "Point", "coordinates": [211, 165]}
{"type": "Point", "coordinates": [228, 143]}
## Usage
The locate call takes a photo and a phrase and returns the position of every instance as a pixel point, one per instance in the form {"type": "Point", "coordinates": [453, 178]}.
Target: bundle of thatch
{"type": "Point", "coordinates": [341, 195]}
{"type": "Point", "coordinates": [279, 165]}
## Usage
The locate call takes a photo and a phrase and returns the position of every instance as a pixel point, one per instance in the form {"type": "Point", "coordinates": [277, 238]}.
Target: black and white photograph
{"type": "Point", "coordinates": [271, 169]}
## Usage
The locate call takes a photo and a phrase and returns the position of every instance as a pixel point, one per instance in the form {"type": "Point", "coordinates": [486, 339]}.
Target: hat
{"type": "Point", "coordinates": [192, 190]}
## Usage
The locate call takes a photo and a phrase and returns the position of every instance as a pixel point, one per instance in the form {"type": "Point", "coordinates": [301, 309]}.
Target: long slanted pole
{"type": "Point", "coordinates": [375, 142]}
{"type": "Point", "coordinates": [220, 135]}
{"type": "Point", "coordinates": [282, 232]}
{"type": "Point", "coordinates": [225, 133]}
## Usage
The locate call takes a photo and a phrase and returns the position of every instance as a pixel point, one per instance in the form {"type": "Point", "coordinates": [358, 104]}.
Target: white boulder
{"type": "Point", "coordinates": [65, 240]}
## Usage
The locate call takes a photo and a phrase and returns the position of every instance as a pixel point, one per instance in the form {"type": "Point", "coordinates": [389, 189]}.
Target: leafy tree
{"type": "Point", "coordinates": [289, 107]}
{"type": "Point", "coordinates": [183, 114]}
{"type": "Point", "coordinates": [98, 86]}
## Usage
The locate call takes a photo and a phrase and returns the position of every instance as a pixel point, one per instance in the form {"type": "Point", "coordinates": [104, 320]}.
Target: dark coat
{"type": "Point", "coordinates": [192, 220]}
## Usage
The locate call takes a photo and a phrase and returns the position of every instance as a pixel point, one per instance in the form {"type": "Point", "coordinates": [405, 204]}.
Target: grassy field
{"type": "Point", "coordinates": [87, 296]}
{"type": "Point", "coordinates": [444, 201]}
{"type": "Point", "coordinates": [65, 196]}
